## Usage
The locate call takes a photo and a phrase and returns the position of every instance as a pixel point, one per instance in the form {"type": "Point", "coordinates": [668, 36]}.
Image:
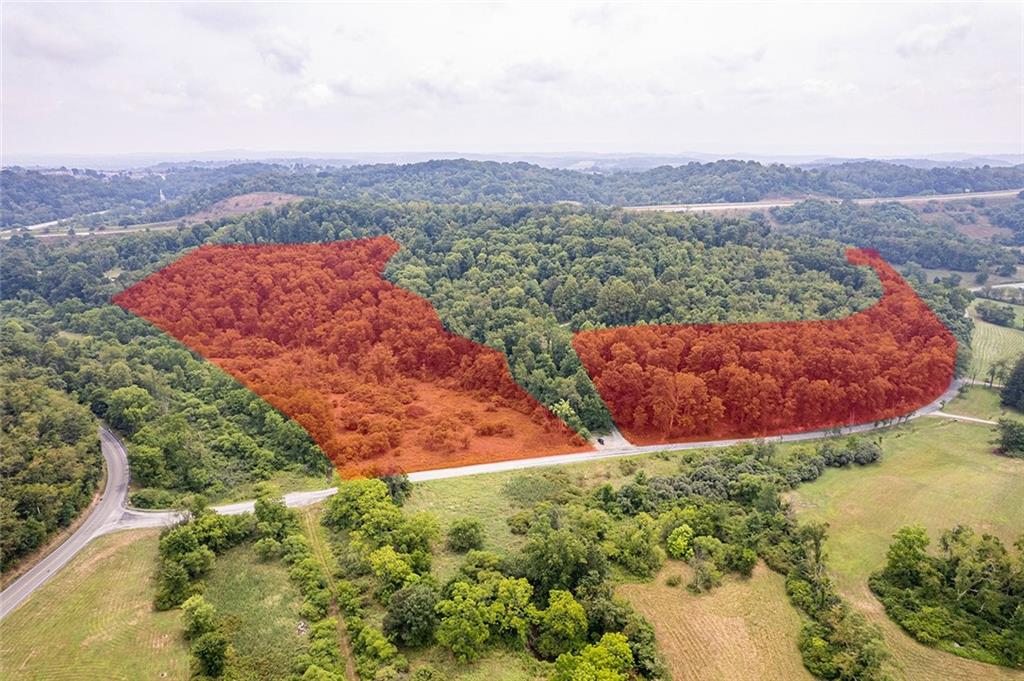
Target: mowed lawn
{"type": "Point", "coordinates": [95, 620]}
{"type": "Point", "coordinates": [744, 630]}
{"type": "Point", "coordinates": [991, 343]}
{"type": "Point", "coordinates": [260, 608]}
{"type": "Point", "coordinates": [937, 473]}
{"type": "Point", "coordinates": [980, 402]}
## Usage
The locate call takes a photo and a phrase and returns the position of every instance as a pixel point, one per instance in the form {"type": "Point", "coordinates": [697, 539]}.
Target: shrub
{"type": "Point", "coordinates": [199, 617]}
{"type": "Point", "coordinates": [152, 498]}
{"type": "Point", "coordinates": [465, 534]}
{"type": "Point", "coordinates": [563, 626]}
{"type": "Point", "coordinates": [679, 542]}
{"type": "Point", "coordinates": [211, 653]}
{"type": "Point", "coordinates": [267, 548]}
{"type": "Point", "coordinates": [411, 617]}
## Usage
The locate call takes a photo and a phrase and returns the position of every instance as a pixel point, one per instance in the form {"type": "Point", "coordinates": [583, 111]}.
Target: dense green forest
{"type": "Point", "coordinates": [520, 280]}
{"type": "Point", "coordinates": [49, 447]}
{"type": "Point", "coordinates": [897, 232]}
{"type": "Point", "coordinates": [190, 427]}
{"type": "Point", "coordinates": [31, 197]}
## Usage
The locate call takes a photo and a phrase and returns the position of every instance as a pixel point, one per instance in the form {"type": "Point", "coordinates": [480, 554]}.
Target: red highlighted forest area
{"type": "Point", "coordinates": [683, 382]}
{"type": "Point", "coordinates": [365, 367]}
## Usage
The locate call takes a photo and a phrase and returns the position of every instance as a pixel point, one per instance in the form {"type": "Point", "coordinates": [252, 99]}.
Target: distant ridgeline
{"type": "Point", "coordinates": [31, 197]}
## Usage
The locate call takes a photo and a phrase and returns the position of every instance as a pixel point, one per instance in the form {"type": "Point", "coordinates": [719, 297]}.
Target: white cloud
{"type": "Point", "coordinates": [285, 52]}
{"type": "Point", "coordinates": [656, 77]}
{"type": "Point", "coordinates": [30, 38]}
{"type": "Point", "coordinates": [739, 60]}
{"type": "Point", "coordinates": [933, 38]}
{"type": "Point", "coordinates": [224, 16]}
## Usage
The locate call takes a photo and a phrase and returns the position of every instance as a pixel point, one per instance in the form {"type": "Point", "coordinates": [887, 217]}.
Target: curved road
{"type": "Point", "coordinates": [111, 506]}
{"type": "Point", "coordinates": [112, 514]}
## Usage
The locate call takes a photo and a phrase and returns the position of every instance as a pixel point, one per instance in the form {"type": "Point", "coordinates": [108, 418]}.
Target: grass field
{"type": "Point", "coordinates": [260, 607]}
{"type": "Point", "coordinates": [936, 473]}
{"type": "Point", "coordinates": [282, 482]}
{"type": "Point", "coordinates": [744, 630]}
{"type": "Point", "coordinates": [981, 402]}
{"type": "Point", "coordinates": [95, 620]}
{"type": "Point", "coordinates": [991, 343]}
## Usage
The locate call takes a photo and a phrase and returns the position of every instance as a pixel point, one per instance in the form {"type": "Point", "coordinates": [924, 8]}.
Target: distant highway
{"type": "Point", "coordinates": [112, 513]}
{"type": "Point", "coordinates": [785, 203]}
{"type": "Point", "coordinates": [666, 208]}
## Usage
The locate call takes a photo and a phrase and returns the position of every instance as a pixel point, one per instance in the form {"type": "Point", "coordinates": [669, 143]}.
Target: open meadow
{"type": "Point", "coordinates": [980, 402]}
{"type": "Point", "coordinates": [744, 630]}
{"type": "Point", "coordinates": [936, 473]}
{"type": "Point", "coordinates": [260, 607]}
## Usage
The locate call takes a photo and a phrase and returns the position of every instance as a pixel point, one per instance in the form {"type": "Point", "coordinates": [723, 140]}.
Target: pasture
{"type": "Point", "coordinates": [991, 343]}
{"type": "Point", "coordinates": [936, 473]}
{"type": "Point", "coordinates": [744, 630]}
{"type": "Point", "coordinates": [980, 402]}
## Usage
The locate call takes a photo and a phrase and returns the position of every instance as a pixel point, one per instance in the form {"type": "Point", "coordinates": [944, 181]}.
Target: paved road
{"type": "Point", "coordinates": [112, 515]}
{"type": "Point", "coordinates": [668, 208]}
{"type": "Point", "coordinates": [785, 203]}
{"type": "Point", "coordinates": [110, 508]}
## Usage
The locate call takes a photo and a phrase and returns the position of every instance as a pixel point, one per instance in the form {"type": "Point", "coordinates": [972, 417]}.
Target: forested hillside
{"type": "Point", "coordinates": [520, 280]}
{"type": "Point", "coordinates": [31, 197]}
{"type": "Point", "coordinates": [49, 447]}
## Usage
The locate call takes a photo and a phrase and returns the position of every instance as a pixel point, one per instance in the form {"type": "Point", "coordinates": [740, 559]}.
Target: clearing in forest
{"type": "Point", "coordinates": [364, 366]}
{"type": "Point", "coordinates": [709, 381]}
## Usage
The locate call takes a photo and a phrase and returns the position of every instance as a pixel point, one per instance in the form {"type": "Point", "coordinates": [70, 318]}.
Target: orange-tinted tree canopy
{"type": "Point", "coordinates": [365, 367]}
{"type": "Point", "coordinates": [678, 382]}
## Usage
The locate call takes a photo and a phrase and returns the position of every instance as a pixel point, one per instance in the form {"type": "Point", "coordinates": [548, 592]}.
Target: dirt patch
{"type": "Point", "coordinates": [242, 204]}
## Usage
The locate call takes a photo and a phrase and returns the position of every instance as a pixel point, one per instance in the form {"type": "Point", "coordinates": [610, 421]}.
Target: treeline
{"type": "Point", "coordinates": [670, 382]}
{"type": "Point", "coordinates": [993, 313]}
{"type": "Point", "coordinates": [189, 426]}
{"type": "Point", "coordinates": [50, 460]}
{"type": "Point", "coordinates": [897, 232]}
{"type": "Point", "coordinates": [36, 197]}
{"type": "Point", "coordinates": [1009, 217]}
{"type": "Point", "coordinates": [462, 181]}
{"type": "Point", "coordinates": [29, 197]}
{"type": "Point", "coordinates": [967, 600]}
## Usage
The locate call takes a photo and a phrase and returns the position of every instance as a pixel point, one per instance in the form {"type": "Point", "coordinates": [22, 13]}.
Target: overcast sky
{"type": "Point", "coordinates": [877, 79]}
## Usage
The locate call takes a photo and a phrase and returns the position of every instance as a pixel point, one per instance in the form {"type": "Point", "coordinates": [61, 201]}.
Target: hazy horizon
{"type": "Point", "coordinates": [753, 80]}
